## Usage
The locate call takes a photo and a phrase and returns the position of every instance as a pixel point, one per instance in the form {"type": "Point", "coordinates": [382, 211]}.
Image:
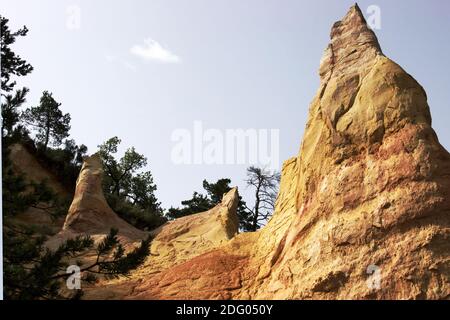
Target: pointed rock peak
{"type": "Point", "coordinates": [355, 14]}
{"type": "Point", "coordinates": [353, 21]}
{"type": "Point", "coordinates": [89, 212]}
{"type": "Point", "coordinates": [352, 43]}
{"type": "Point", "coordinates": [230, 197]}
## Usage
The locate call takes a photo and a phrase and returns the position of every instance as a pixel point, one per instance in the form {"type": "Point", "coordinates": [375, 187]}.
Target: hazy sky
{"type": "Point", "coordinates": [142, 69]}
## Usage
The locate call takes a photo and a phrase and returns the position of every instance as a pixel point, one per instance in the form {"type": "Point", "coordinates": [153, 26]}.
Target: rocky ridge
{"type": "Point", "coordinates": [172, 244]}
{"type": "Point", "coordinates": [363, 211]}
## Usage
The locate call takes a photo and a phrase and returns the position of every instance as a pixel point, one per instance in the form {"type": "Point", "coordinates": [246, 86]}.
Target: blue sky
{"type": "Point", "coordinates": [231, 64]}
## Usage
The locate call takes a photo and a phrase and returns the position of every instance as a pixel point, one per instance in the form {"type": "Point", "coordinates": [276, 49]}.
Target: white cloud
{"type": "Point", "coordinates": [152, 50]}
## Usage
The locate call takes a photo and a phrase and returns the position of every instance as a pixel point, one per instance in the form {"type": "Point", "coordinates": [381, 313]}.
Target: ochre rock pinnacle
{"type": "Point", "coordinates": [363, 211]}
{"type": "Point", "coordinates": [353, 44]}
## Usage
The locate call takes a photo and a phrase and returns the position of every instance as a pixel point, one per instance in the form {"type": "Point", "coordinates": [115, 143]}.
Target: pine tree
{"type": "Point", "coordinates": [35, 272]}
{"type": "Point", "coordinates": [31, 271]}
{"type": "Point", "coordinates": [12, 65]}
{"type": "Point", "coordinates": [198, 203]}
{"type": "Point", "coordinates": [129, 190]}
{"type": "Point", "coordinates": [48, 120]}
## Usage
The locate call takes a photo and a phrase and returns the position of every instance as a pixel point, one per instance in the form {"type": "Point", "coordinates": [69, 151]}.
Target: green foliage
{"type": "Point", "coordinates": [12, 64]}
{"type": "Point", "coordinates": [31, 271]}
{"type": "Point", "coordinates": [10, 113]}
{"type": "Point", "coordinates": [48, 121]}
{"type": "Point", "coordinates": [34, 272]}
{"type": "Point", "coordinates": [141, 191]}
{"type": "Point", "coordinates": [19, 194]}
{"type": "Point", "coordinates": [120, 264]}
{"type": "Point", "coordinates": [119, 173]}
{"type": "Point", "coordinates": [65, 163]}
{"type": "Point", "coordinates": [214, 193]}
{"type": "Point", "coordinates": [29, 268]}
{"type": "Point", "coordinates": [130, 191]}
{"type": "Point", "coordinates": [111, 259]}
{"type": "Point", "coordinates": [20, 251]}
{"type": "Point", "coordinates": [145, 219]}
{"type": "Point", "coordinates": [216, 190]}
{"type": "Point", "coordinates": [198, 203]}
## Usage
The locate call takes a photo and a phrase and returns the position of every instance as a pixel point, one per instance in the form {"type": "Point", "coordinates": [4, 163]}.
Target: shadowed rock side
{"type": "Point", "coordinates": [363, 211]}
{"type": "Point", "coordinates": [89, 213]}
{"type": "Point", "coordinates": [23, 162]}
{"type": "Point", "coordinates": [174, 243]}
{"type": "Point", "coordinates": [26, 163]}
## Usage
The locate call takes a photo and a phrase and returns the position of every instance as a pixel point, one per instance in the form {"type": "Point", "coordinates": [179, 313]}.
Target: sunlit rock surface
{"type": "Point", "coordinates": [363, 211]}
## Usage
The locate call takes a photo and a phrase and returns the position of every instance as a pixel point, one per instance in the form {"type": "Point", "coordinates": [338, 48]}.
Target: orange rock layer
{"type": "Point", "coordinates": [363, 211]}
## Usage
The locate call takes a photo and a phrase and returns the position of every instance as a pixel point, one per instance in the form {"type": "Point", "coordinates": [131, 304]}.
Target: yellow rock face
{"type": "Point", "coordinates": [372, 204]}
{"type": "Point", "coordinates": [228, 271]}
{"type": "Point", "coordinates": [90, 214]}
{"type": "Point", "coordinates": [174, 243]}
{"type": "Point", "coordinates": [363, 211]}
{"type": "Point", "coordinates": [187, 237]}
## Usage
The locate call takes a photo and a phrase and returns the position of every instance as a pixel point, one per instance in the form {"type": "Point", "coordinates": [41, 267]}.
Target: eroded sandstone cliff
{"type": "Point", "coordinates": [89, 213]}
{"type": "Point", "coordinates": [25, 163]}
{"type": "Point", "coordinates": [173, 243]}
{"type": "Point", "coordinates": [372, 193]}
{"type": "Point", "coordinates": [363, 211]}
